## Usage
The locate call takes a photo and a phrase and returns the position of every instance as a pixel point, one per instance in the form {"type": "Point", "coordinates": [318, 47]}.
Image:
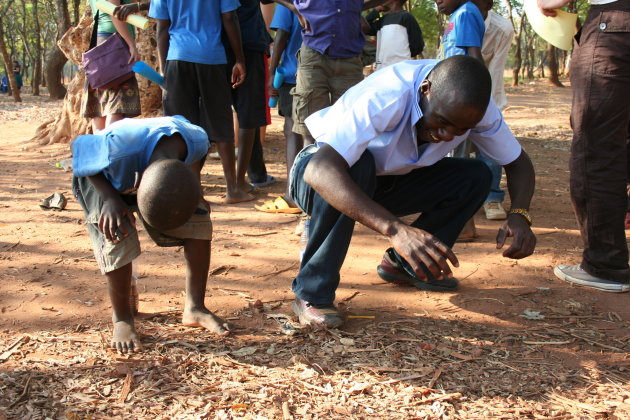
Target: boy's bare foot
{"type": "Point", "coordinates": [206, 319]}
{"type": "Point", "coordinates": [125, 338]}
{"type": "Point", "coordinates": [238, 196]}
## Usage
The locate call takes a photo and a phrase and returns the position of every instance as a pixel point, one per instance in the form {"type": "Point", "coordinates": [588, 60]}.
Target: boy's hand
{"type": "Point", "coordinates": [134, 54]}
{"type": "Point", "coordinates": [272, 91]}
{"type": "Point", "coordinates": [117, 220]}
{"type": "Point", "coordinates": [122, 11]}
{"type": "Point", "coordinates": [524, 241]}
{"type": "Point", "coordinates": [238, 74]}
{"type": "Point", "coordinates": [303, 22]}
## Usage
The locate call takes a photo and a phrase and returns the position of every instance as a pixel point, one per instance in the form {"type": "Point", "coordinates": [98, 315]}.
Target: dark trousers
{"type": "Point", "coordinates": [600, 118]}
{"type": "Point", "coordinates": [447, 194]}
{"type": "Point", "coordinates": [256, 170]}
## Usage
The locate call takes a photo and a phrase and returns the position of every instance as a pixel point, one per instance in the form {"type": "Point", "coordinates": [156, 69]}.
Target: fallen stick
{"type": "Point", "coordinates": [25, 392]}
{"type": "Point", "coordinates": [282, 270]}
{"type": "Point", "coordinates": [13, 347]}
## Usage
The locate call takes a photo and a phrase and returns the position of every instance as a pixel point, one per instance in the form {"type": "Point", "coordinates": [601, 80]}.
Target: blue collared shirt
{"type": "Point", "coordinates": [379, 114]}
{"type": "Point", "coordinates": [335, 26]}
{"type": "Point", "coordinates": [122, 150]}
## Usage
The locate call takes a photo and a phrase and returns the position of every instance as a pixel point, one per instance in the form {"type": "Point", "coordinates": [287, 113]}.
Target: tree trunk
{"type": "Point", "coordinates": [69, 123]}
{"type": "Point", "coordinates": [8, 64]}
{"type": "Point", "coordinates": [552, 62]}
{"type": "Point", "coordinates": [37, 62]}
{"type": "Point", "coordinates": [56, 60]}
{"type": "Point", "coordinates": [518, 55]}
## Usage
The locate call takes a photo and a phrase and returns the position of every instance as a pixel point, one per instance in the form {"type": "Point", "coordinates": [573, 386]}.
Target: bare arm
{"type": "Point", "coordinates": [327, 173]}
{"type": "Point", "coordinates": [115, 214]}
{"type": "Point", "coordinates": [521, 180]}
{"type": "Point", "coordinates": [370, 4]}
{"type": "Point", "coordinates": [124, 10]}
{"type": "Point", "coordinates": [163, 42]}
{"type": "Point", "coordinates": [547, 7]}
{"type": "Point", "coordinates": [233, 31]}
{"type": "Point", "coordinates": [123, 30]}
{"type": "Point", "coordinates": [280, 44]}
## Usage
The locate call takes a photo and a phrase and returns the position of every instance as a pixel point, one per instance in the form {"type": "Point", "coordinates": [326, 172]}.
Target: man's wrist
{"type": "Point", "coordinates": [523, 213]}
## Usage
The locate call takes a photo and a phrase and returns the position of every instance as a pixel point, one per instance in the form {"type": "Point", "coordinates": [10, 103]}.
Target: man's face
{"type": "Point", "coordinates": [444, 117]}
{"type": "Point", "coordinates": [447, 7]}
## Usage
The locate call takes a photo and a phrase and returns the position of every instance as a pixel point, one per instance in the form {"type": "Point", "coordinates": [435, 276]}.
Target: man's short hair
{"type": "Point", "coordinates": [466, 76]}
{"type": "Point", "coordinates": [168, 194]}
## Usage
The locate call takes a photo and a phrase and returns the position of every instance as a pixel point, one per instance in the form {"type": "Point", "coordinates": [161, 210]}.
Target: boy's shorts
{"type": "Point", "coordinates": [200, 93]}
{"type": "Point", "coordinates": [249, 98]}
{"type": "Point", "coordinates": [102, 102]}
{"type": "Point", "coordinates": [112, 256]}
{"type": "Point", "coordinates": [285, 100]}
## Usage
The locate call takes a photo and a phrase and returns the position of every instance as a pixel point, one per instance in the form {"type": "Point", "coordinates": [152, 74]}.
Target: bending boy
{"type": "Point", "coordinates": [150, 167]}
{"type": "Point", "coordinates": [380, 153]}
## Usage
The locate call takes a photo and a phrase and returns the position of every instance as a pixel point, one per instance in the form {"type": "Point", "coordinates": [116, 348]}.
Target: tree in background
{"type": "Point", "coordinates": [6, 57]}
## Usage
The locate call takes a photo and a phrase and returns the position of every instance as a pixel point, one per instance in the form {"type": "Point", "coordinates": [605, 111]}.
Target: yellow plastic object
{"type": "Point", "coordinates": [558, 31]}
{"type": "Point", "coordinates": [136, 20]}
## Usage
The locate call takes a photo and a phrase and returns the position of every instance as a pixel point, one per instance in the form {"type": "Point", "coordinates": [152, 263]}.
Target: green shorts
{"type": "Point", "coordinates": [320, 81]}
{"type": "Point", "coordinates": [111, 256]}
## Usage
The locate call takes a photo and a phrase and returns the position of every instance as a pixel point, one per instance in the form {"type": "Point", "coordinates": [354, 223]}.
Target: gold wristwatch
{"type": "Point", "coordinates": [523, 213]}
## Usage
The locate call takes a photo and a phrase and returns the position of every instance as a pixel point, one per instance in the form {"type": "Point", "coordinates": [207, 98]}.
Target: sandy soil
{"type": "Point", "coordinates": [51, 288]}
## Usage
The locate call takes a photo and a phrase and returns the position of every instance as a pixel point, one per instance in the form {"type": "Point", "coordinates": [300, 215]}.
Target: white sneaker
{"type": "Point", "coordinates": [575, 274]}
{"type": "Point", "coordinates": [494, 211]}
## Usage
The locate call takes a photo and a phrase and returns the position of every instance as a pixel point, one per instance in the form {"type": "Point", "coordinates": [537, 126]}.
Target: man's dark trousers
{"type": "Point", "coordinates": [447, 193]}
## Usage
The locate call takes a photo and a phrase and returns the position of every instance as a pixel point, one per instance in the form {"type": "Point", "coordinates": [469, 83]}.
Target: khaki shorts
{"type": "Point", "coordinates": [321, 80]}
{"type": "Point", "coordinates": [111, 256]}
{"type": "Point", "coordinates": [102, 102]}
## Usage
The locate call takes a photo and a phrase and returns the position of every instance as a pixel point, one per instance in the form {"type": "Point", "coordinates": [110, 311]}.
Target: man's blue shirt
{"type": "Point", "coordinates": [335, 26]}
{"type": "Point", "coordinates": [122, 150]}
{"type": "Point", "coordinates": [287, 21]}
{"type": "Point", "coordinates": [195, 31]}
{"type": "Point", "coordinates": [465, 29]}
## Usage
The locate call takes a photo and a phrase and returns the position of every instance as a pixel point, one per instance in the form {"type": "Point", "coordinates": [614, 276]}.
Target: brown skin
{"type": "Point", "coordinates": [547, 7]}
{"type": "Point", "coordinates": [116, 215]}
{"type": "Point", "coordinates": [443, 119]}
{"type": "Point", "coordinates": [123, 11]}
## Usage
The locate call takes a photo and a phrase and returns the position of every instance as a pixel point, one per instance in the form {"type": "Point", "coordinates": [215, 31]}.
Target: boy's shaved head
{"type": "Point", "coordinates": [464, 76]}
{"type": "Point", "coordinates": [168, 194]}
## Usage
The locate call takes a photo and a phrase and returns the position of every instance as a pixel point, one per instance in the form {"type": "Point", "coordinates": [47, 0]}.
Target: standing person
{"type": "Point", "coordinates": [464, 33]}
{"type": "Point", "coordinates": [497, 40]}
{"type": "Point", "coordinates": [398, 35]}
{"type": "Point", "coordinates": [600, 118]}
{"type": "Point", "coordinates": [249, 98]}
{"type": "Point", "coordinates": [157, 177]}
{"type": "Point", "coordinates": [105, 106]}
{"type": "Point", "coordinates": [193, 61]}
{"type": "Point", "coordinates": [380, 153]}
{"type": "Point", "coordinates": [286, 44]}
{"type": "Point", "coordinates": [329, 61]}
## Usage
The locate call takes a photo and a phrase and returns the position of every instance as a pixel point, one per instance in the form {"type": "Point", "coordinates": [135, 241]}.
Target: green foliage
{"type": "Point", "coordinates": [426, 14]}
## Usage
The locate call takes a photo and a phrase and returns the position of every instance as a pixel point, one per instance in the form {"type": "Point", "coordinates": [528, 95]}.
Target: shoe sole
{"type": "Point", "coordinates": [405, 280]}
{"type": "Point", "coordinates": [304, 321]}
{"type": "Point", "coordinates": [604, 287]}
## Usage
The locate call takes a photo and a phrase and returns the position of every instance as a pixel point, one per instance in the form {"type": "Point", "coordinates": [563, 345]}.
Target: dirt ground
{"type": "Point", "coordinates": [513, 342]}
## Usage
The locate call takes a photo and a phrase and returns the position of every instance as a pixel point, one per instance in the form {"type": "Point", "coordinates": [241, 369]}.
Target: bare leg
{"type": "Point", "coordinates": [197, 254]}
{"type": "Point", "coordinates": [246, 142]}
{"type": "Point", "coordinates": [234, 194]}
{"type": "Point", "coordinates": [98, 123]}
{"type": "Point", "coordinates": [112, 118]}
{"type": "Point", "coordinates": [125, 338]}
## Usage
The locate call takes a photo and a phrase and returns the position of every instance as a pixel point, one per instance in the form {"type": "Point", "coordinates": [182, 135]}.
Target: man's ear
{"type": "Point", "coordinates": [425, 87]}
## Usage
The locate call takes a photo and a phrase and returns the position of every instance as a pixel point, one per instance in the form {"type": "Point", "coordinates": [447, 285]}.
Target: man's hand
{"type": "Point", "coordinates": [238, 74]}
{"type": "Point", "coordinates": [417, 246]}
{"type": "Point", "coordinates": [117, 220]}
{"type": "Point", "coordinates": [303, 22]}
{"type": "Point", "coordinates": [547, 7]}
{"type": "Point", "coordinates": [122, 11]}
{"type": "Point", "coordinates": [524, 241]}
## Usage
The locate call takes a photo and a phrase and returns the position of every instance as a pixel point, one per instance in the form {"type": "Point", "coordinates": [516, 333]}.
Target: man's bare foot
{"type": "Point", "coordinates": [238, 196]}
{"type": "Point", "coordinates": [246, 187]}
{"type": "Point", "coordinates": [125, 338]}
{"type": "Point", "coordinates": [206, 319]}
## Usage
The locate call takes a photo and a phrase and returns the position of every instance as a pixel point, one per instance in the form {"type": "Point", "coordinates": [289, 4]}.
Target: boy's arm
{"type": "Point", "coordinates": [163, 42]}
{"type": "Point", "coordinates": [115, 214]}
{"type": "Point", "coordinates": [280, 44]}
{"type": "Point", "coordinates": [196, 167]}
{"type": "Point", "coordinates": [233, 31]}
{"type": "Point", "coordinates": [124, 10]}
{"type": "Point", "coordinates": [123, 31]}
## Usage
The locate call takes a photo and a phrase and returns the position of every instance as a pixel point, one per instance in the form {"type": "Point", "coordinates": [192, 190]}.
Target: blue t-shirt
{"type": "Point", "coordinates": [122, 150]}
{"type": "Point", "coordinates": [286, 20]}
{"type": "Point", "coordinates": [465, 29]}
{"type": "Point", "coordinates": [195, 31]}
